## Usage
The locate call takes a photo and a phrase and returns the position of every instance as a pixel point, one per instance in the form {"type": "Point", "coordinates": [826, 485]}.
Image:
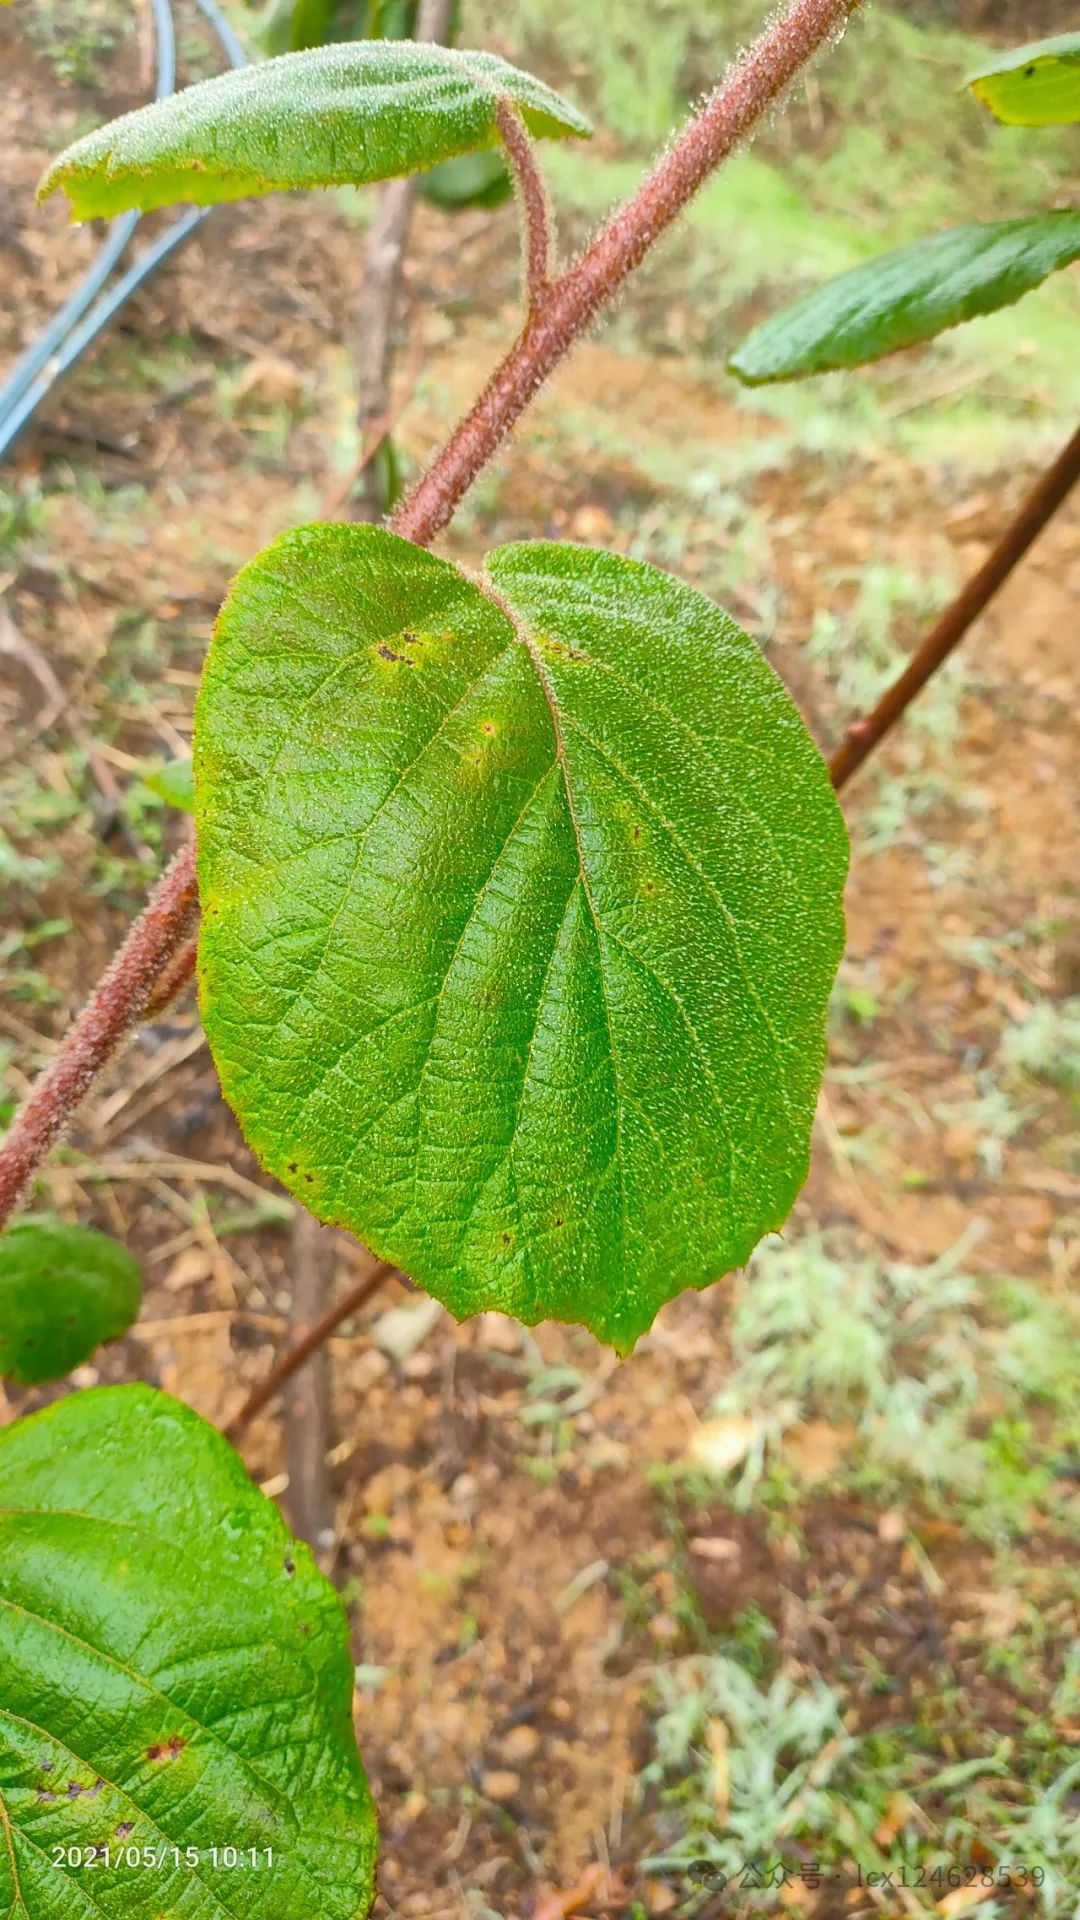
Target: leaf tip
{"type": "Point", "coordinates": [48, 183]}
{"type": "Point", "coordinates": [60, 178]}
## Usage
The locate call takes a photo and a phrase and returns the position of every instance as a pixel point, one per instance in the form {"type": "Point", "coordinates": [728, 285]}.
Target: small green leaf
{"type": "Point", "coordinates": [339, 115]}
{"type": "Point", "coordinates": [1033, 86]}
{"type": "Point", "coordinates": [471, 180]}
{"type": "Point", "coordinates": [387, 473]}
{"type": "Point", "coordinates": [63, 1291]}
{"type": "Point", "coordinates": [175, 1681]}
{"type": "Point", "coordinates": [904, 298]}
{"type": "Point", "coordinates": [174, 782]}
{"type": "Point", "coordinates": [518, 936]}
{"type": "Point", "coordinates": [312, 23]}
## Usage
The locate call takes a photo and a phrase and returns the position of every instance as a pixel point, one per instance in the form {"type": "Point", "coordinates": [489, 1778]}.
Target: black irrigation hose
{"type": "Point", "coordinates": [69, 334]}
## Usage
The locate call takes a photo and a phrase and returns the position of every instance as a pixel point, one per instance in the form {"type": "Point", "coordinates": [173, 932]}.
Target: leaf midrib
{"type": "Point", "coordinates": [141, 1680]}
{"type": "Point", "coordinates": [17, 1896]}
{"type": "Point", "coordinates": [523, 634]}
{"type": "Point", "coordinates": [19, 1720]}
{"type": "Point", "coordinates": [709, 883]}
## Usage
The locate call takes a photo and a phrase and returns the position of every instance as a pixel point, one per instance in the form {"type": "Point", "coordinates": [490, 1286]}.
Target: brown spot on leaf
{"type": "Point", "coordinates": [125, 1827]}
{"type": "Point", "coordinates": [167, 1750]}
{"type": "Point", "coordinates": [387, 653]}
{"type": "Point", "coordinates": [44, 1794]}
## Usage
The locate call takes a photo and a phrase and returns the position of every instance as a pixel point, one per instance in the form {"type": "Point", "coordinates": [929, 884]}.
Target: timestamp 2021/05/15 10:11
{"type": "Point", "coordinates": [160, 1856]}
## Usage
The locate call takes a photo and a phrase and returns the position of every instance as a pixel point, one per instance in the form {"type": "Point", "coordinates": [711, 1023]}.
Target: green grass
{"type": "Point", "coordinates": [773, 1773]}
{"type": "Point", "coordinates": [805, 1799]}
{"type": "Point", "coordinates": [921, 1358]}
{"type": "Point", "coordinates": [1044, 1043]}
{"type": "Point", "coordinates": [78, 40]}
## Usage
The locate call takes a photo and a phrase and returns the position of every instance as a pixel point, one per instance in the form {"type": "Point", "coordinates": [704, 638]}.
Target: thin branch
{"type": "Point", "coordinates": [537, 237]}
{"type": "Point", "coordinates": [380, 430]}
{"type": "Point", "coordinates": [118, 1004]}
{"type": "Point", "coordinates": [565, 312]}
{"type": "Point", "coordinates": [294, 1356]}
{"type": "Point", "coordinates": [572, 302]}
{"type": "Point", "coordinates": [1040, 505]}
{"type": "Point", "coordinates": [307, 1392]}
{"type": "Point", "coordinates": [380, 303]}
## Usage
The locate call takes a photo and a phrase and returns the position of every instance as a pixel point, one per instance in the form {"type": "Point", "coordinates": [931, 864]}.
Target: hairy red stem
{"type": "Point", "coordinates": [119, 1002]}
{"type": "Point", "coordinates": [572, 302]}
{"type": "Point", "coordinates": [1040, 505]}
{"type": "Point", "coordinates": [173, 978]}
{"type": "Point", "coordinates": [532, 197]}
{"type": "Point", "coordinates": [565, 311]}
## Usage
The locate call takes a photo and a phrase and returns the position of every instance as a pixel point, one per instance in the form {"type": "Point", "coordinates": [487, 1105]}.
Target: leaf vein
{"type": "Point", "coordinates": [694, 864]}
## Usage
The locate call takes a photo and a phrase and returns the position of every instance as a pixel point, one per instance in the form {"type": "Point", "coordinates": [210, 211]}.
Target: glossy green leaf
{"type": "Point", "coordinates": [174, 782]}
{"type": "Point", "coordinates": [904, 298]}
{"type": "Point", "coordinates": [1033, 86]}
{"type": "Point", "coordinates": [517, 940]}
{"type": "Point", "coordinates": [175, 1682]}
{"type": "Point", "coordinates": [63, 1291]}
{"type": "Point", "coordinates": [338, 115]}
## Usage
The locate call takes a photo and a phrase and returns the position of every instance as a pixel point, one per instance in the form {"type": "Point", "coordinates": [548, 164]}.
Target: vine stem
{"type": "Point", "coordinates": [562, 315]}
{"type": "Point", "coordinates": [572, 302]}
{"type": "Point", "coordinates": [295, 1356]}
{"type": "Point", "coordinates": [1047, 495]}
{"type": "Point", "coordinates": [173, 978]}
{"type": "Point", "coordinates": [537, 235]}
{"type": "Point", "coordinates": [122, 998]}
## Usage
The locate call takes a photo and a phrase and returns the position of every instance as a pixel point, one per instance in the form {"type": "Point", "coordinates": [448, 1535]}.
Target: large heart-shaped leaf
{"type": "Point", "coordinates": [1033, 86]}
{"type": "Point", "coordinates": [340, 115]}
{"type": "Point", "coordinates": [903, 298]}
{"type": "Point", "coordinates": [518, 931]}
{"type": "Point", "coordinates": [175, 1684]}
{"type": "Point", "coordinates": [63, 1290]}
